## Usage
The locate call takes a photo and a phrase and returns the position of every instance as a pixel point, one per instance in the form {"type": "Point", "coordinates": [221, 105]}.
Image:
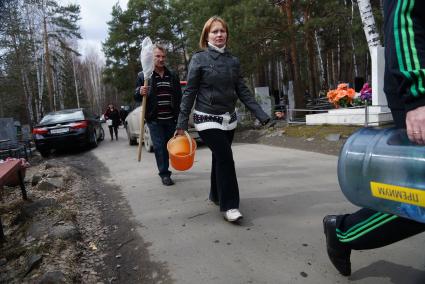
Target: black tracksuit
{"type": "Point", "coordinates": [404, 88]}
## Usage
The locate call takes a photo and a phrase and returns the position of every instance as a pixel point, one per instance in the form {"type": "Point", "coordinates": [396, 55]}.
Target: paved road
{"type": "Point", "coordinates": [284, 195]}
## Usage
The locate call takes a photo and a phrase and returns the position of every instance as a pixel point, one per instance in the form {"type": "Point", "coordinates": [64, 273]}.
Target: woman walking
{"type": "Point", "coordinates": [214, 84]}
{"type": "Point", "coordinates": [112, 117]}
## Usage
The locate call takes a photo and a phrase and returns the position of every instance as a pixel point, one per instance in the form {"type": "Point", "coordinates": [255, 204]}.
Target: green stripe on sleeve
{"type": "Point", "coordinates": [416, 69]}
{"type": "Point", "coordinates": [397, 37]}
{"type": "Point", "coordinates": [403, 29]}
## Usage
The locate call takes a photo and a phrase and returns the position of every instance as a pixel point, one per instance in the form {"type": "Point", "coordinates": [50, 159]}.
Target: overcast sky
{"type": "Point", "coordinates": [94, 16]}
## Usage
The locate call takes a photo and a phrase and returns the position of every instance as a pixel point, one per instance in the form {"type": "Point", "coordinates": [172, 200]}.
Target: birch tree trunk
{"type": "Point", "coordinates": [40, 84]}
{"type": "Point", "coordinates": [321, 64]}
{"type": "Point", "coordinates": [28, 97]}
{"type": "Point", "coordinates": [59, 84]}
{"type": "Point", "coordinates": [368, 21]}
{"type": "Point", "coordinates": [37, 58]}
{"type": "Point", "coordinates": [26, 87]}
{"type": "Point", "coordinates": [48, 66]}
{"type": "Point", "coordinates": [356, 70]}
{"type": "Point", "coordinates": [75, 82]}
{"type": "Point", "coordinates": [94, 77]}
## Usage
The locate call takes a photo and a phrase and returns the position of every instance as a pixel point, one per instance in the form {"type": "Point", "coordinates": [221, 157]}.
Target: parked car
{"type": "Point", "coordinates": [102, 118]}
{"type": "Point", "coordinates": [133, 128]}
{"type": "Point", "coordinates": [68, 127]}
{"type": "Point", "coordinates": [132, 122]}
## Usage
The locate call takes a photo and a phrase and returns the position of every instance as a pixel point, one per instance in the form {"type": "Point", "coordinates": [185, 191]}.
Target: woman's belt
{"type": "Point", "coordinates": [201, 118]}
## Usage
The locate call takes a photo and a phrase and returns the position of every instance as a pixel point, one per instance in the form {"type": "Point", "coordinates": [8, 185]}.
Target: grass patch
{"type": "Point", "coordinates": [320, 131]}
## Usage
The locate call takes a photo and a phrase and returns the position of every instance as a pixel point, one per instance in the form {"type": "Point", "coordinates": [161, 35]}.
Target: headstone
{"type": "Point", "coordinates": [378, 68]}
{"type": "Point", "coordinates": [291, 100]}
{"type": "Point", "coordinates": [378, 112]}
{"type": "Point", "coordinates": [262, 95]}
{"type": "Point", "coordinates": [7, 129]}
{"type": "Point", "coordinates": [26, 132]}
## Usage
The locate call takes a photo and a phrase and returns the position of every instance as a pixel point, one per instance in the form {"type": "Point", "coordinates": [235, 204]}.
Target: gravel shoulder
{"type": "Point", "coordinates": [74, 229]}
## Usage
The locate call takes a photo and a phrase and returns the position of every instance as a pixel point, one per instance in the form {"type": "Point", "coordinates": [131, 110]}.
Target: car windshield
{"type": "Point", "coordinates": [63, 116]}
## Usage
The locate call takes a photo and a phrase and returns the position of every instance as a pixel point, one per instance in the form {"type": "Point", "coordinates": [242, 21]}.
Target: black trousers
{"type": "Point", "coordinates": [369, 229]}
{"type": "Point", "coordinates": [112, 129]}
{"type": "Point", "coordinates": [366, 228]}
{"type": "Point", "coordinates": [224, 185]}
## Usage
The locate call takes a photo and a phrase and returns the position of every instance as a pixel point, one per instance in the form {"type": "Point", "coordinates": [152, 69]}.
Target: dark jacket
{"type": "Point", "coordinates": [404, 81]}
{"type": "Point", "coordinates": [215, 81]}
{"type": "Point", "coordinates": [152, 102]}
{"type": "Point", "coordinates": [113, 115]}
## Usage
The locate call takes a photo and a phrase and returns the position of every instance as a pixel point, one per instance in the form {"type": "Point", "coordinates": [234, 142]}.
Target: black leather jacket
{"type": "Point", "coordinates": [214, 80]}
{"type": "Point", "coordinates": [152, 102]}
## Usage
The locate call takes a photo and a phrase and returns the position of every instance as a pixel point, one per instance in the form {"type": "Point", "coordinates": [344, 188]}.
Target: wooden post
{"type": "Point", "coordinates": [142, 123]}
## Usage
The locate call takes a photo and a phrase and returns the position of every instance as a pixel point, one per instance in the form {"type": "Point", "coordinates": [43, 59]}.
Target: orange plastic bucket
{"type": "Point", "coordinates": [181, 150]}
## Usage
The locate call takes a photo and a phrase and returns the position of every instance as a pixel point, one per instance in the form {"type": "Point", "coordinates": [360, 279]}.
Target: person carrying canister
{"type": "Point", "coordinates": [404, 86]}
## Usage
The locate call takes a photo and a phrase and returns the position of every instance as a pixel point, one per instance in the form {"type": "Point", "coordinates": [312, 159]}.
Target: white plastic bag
{"type": "Point", "coordinates": [146, 57]}
{"type": "Point", "coordinates": [109, 122]}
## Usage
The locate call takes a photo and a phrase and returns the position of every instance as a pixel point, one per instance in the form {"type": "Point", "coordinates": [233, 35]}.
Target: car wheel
{"type": "Point", "coordinates": [44, 153]}
{"type": "Point", "coordinates": [147, 140]}
{"type": "Point", "coordinates": [131, 141]}
{"type": "Point", "coordinates": [102, 134]}
{"type": "Point", "coordinates": [93, 141]}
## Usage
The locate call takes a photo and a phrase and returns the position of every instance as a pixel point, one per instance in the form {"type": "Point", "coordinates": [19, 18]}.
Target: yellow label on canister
{"type": "Point", "coordinates": [398, 193]}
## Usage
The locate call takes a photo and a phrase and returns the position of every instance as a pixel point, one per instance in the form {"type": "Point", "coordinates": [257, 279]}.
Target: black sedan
{"type": "Point", "coordinates": [68, 127]}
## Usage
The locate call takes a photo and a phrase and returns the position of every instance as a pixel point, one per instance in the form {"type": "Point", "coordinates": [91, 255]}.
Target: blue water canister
{"type": "Point", "coordinates": [382, 170]}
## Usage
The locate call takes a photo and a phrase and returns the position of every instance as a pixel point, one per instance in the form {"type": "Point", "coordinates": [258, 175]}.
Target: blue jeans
{"type": "Point", "coordinates": [161, 132]}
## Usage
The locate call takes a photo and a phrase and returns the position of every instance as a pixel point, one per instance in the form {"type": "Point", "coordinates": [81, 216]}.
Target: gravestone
{"type": "Point", "coordinates": [12, 147]}
{"type": "Point", "coordinates": [26, 132]}
{"type": "Point", "coordinates": [377, 57]}
{"type": "Point", "coordinates": [7, 129]}
{"type": "Point", "coordinates": [378, 112]}
{"type": "Point", "coordinates": [262, 95]}
{"type": "Point", "coordinates": [291, 100]}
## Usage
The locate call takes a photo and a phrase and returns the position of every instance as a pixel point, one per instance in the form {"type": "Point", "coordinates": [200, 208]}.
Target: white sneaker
{"type": "Point", "coordinates": [232, 215]}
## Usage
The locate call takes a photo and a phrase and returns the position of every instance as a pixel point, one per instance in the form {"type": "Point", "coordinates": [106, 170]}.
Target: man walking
{"type": "Point", "coordinates": [404, 88]}
{"type": "Point", "coordinates": [162, 108]}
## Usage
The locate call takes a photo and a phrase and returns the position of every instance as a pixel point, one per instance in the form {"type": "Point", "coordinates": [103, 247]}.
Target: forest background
{"type": "Point", "coordinates": [308, 44]}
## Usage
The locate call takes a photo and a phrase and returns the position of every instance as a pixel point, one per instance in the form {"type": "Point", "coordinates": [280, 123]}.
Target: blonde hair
{"type": "Point", "coordinates": [203, 41]}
